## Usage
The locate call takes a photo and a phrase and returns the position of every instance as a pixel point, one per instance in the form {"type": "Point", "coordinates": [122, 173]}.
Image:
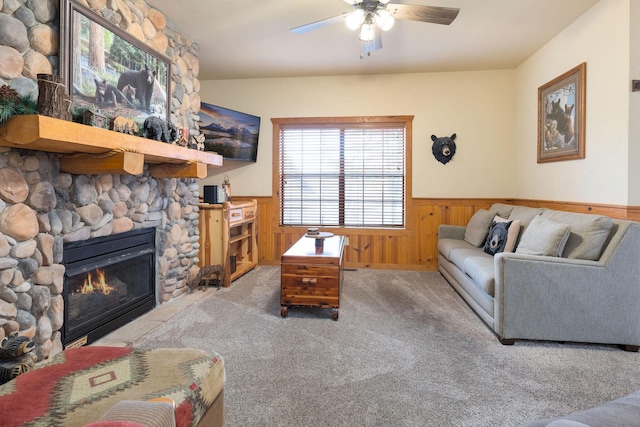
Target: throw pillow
{"type": "Point", "coordinates": [589, 233]}
{"type": "Point", "coordinates": [503, 235]}
{"type": "Point", "coordinates": [478, 227]}
{"type": "Point", "coordinates": [544, 237]}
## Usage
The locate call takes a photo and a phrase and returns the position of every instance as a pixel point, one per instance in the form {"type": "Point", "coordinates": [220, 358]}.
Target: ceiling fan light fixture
{"type": "Point", "coordinates": [367, 31]}
{"type": "Point", "coordinates": [384, 19]}
{"type": "Point", "coordinates": [355, 19]}
{"type": "Point", "coordinates": [369, 15]}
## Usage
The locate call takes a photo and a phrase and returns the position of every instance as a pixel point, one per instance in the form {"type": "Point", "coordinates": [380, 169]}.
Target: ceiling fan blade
{"type": "Point", "coordinates": [319, 24]}
{"type": "Point", "coordinates": [432, 14]}
{"type": "Point", "coordinates": [352, 2]}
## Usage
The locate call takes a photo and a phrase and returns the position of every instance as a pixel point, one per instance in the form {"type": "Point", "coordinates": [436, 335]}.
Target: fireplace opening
{"type": "Point", "coordinates": [109, 281]}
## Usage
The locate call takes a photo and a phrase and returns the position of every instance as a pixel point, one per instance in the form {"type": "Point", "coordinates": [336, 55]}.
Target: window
{"type": "Point", "coordinates": [342, 171]}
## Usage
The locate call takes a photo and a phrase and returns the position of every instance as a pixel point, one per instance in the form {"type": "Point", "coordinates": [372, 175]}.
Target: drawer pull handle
{"type": "Point", "coordinates": [311, 280]}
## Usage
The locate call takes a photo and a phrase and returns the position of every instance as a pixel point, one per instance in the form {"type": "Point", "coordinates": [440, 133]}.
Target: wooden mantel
{"type": "Point", "coordinates": [91, 150]}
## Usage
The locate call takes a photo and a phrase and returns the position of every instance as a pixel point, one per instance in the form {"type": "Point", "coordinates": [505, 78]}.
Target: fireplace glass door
{"type": "Point", "coordinates": [109, 281]}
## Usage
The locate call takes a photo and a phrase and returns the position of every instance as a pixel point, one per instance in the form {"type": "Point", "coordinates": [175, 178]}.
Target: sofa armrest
{"type": "Point", "coordinates": [562, 299]}
{"type": "Point", "coordinates": [446, 231]}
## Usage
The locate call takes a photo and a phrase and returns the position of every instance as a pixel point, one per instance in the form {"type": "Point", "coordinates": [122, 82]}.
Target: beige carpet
{"type": "Point", "coordinates": [406, 351]}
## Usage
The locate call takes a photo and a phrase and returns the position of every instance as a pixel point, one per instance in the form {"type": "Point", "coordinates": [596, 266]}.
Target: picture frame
{"type": "Point", "coordinates": [561, 117]}
{"type": "Point", "coordinates": [109, 71]}
{"type": "Point", "coordinates": [232, 134]}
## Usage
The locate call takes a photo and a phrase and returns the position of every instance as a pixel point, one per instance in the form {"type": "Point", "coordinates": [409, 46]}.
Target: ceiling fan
{"type": "Point", "coordinates": [370, 15]}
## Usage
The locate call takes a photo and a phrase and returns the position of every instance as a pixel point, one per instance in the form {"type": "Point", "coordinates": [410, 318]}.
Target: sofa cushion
{"type": "Point", "coordinates": [525, 214]}
{"type": "Point", "coordinates": [502, 209]}
{"type": "Point", "coordinates": [445, 246]}
{"type": "Point", "coordinates": [624, 411]}
{"type": "Point", "coordinates": [588, 234]}
{"type": "Point", "coordinates": [543, 236]}
{"type": "Point", "coordinates": [478, 227]}
{"type": "Point", "coordinates": [458, 256]}
{"type": "Point", "coordinates": [481, 269]}
{"type": "Point", "coordinates": [566, 423]}
{"type": "Point", "coordinates": [502, 236]}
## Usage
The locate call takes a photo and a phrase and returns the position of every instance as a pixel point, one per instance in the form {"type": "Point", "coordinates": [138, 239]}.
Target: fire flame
{"type": "Point", "coordinates": [99, 285]}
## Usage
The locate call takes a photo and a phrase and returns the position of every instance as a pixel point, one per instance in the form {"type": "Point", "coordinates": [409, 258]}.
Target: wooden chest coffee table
{"type": "Point", "coordinates": [311, 276]}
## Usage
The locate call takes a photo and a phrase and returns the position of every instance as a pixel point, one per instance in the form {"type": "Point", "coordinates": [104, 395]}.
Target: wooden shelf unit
{"type": "Point", "coordinates": [229, 230]}
{"type": "Point", "coordinates": [91, 150]}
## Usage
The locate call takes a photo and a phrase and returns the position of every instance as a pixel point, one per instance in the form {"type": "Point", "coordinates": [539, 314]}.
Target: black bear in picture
{"type": "Point", "coordinates": [129, 92]}
{"type": "Point", "coordinates": [142, 81]}
{"type": "Point", "coordinates": [107, 94]}
{"type": "Point", "coordinates": [443, 148]}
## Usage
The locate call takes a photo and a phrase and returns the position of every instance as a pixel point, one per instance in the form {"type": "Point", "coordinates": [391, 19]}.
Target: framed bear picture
{"type": "Point", "coordinates": [561, 117]}
{"type": "Point", "coordinates": [106, 69]}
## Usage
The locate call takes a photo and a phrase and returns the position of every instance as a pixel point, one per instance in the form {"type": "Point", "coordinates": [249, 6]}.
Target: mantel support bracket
{"type": "Point", "coordinates": [187, 170]}
{"type": "Point", "coordinates": [117, 163]}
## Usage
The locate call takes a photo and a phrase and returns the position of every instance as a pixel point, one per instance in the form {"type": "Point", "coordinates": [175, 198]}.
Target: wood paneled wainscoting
{"type": "Point", "coordinates": [414, 248]}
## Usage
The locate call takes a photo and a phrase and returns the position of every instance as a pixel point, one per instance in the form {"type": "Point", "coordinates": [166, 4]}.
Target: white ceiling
{"type": "Point", "coordinates": [251, 38]}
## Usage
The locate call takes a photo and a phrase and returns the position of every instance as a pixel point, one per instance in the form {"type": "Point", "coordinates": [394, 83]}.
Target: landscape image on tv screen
{"type": "Point", "coordinates": [232, 134]}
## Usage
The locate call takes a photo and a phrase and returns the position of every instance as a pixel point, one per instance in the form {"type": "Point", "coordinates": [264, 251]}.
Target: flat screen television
{"type": "Point", "coordinates": [232, 134]}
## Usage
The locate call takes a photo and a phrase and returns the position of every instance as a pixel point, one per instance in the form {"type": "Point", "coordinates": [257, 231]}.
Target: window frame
{"type": "Point", "coordinates": [407, 121]}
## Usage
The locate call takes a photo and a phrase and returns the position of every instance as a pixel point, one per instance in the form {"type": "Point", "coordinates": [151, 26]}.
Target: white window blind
{"type": "Point", "coordinates": [342, 175]}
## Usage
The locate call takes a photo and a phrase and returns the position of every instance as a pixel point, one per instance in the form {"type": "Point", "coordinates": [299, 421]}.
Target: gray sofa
{"type": "Point", "coordinates": [572, 277]}
{"type": "Point", "coordinates": [623, 412]}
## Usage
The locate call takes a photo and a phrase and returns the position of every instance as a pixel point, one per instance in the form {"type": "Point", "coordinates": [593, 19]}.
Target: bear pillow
{"type": "Point", "coordinates": [502, 236]}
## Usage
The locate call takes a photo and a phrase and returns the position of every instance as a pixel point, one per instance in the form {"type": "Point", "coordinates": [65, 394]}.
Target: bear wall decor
{"type": "Point", "coordinates": [443, 148]}
{"type": "Point", "coordinates": [160, 130]}
{"type": "Point", "coordinates": [123, 125]}
{"type": "Point", "coordinates": [140, 84]}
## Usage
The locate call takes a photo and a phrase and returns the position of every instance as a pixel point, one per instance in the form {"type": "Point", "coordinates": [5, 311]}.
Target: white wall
{"type": "Point", "coordinates": [634, 108]}
{"type": "Point", "coordinates": [600, 38]}
{"type": "Point", "coordinates": [477, 106]}
{"type": "Point", "coordinates": [494, 114]}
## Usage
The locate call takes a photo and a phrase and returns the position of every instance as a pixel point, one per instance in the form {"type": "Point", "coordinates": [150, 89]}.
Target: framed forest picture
{"type": "Point", "coordinates": [106, 69]}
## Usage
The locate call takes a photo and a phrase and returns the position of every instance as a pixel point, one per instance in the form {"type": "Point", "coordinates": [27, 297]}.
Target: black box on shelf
{"type": "Point", "coordinates": [210, 194]}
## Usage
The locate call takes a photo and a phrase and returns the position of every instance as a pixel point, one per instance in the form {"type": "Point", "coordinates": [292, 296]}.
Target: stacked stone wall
{"type": "Point", "coordinates": [41, 207]}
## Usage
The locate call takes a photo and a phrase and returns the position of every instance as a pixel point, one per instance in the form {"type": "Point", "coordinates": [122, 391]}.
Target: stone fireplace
{"type": "Point", "coordinates": [42, 210]}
